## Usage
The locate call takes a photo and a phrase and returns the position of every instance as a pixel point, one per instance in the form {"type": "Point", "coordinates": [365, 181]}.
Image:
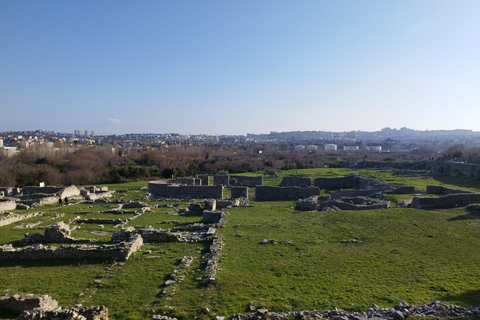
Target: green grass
{"type": "Point", "coordinates": [342, 259]}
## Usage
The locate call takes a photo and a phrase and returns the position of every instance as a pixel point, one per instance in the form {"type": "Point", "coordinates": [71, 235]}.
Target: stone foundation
{"type": "Point", "coordinates": [270, 193]}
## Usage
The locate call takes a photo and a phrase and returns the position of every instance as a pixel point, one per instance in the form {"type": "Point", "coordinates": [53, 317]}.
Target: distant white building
{"type": "Point", "coordinates": [331, 147]}
{"type": "Point", "coordinates": [10, 151]}
{"type": "Point", "coordinates": [374, 148]}
{"type": "Point", "coordinates": [351, 148]}
{"type": "Point", "coordinates": [299, 148]}
{"type": "Point", "coordinates": [312, 148]}
{"type": "Point", "coordinates": [1, 143]}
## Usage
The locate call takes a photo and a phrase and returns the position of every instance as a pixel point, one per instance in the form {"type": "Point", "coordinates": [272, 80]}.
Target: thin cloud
{"type": "Point", "coordinates": [114, 121]}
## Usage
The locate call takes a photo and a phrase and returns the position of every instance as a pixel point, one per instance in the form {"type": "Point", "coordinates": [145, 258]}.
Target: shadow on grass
{"type": "Point", "coordinates": [469, 298]}
{"type": "Point", "coordinates": [462, 182]}
{"type": "Point", "coordinates": [50, 263]}
{"type": "Point", "coordinates": [466, 216]}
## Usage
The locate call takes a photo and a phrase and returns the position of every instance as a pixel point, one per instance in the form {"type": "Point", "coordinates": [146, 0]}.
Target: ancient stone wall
{"type": "Point", "coordinates": [403, 190]}
{"type": "Point", "coordinates": [284, 193]}
{"type": "Point", "coordinates": [157, 188]}
{"type": "Point", "coordinates": [160, 235]}
{"type": "Point", "coordinates": [71, 191]}
{"type": "Point", "coordinates": [356, 203]}
{"type": "Point", "coordinates": [183, 181]}
{"type": "Point", "coordinates": [239, 192]}
{"type": "Point", "coordinates": [360, 183]}
{"type": "Point", "coordinates": [203, 179]}
{"type": "Point", "coordinates": [7, 205]}
{"type": "Point", "coordinates": [36, 189]}
{"type": "Point", "coordinates": [311, 203]}
{"type": "Point", "coordinates": [246, 181]}
{"type": "Point", "coordinates": [195, 192]}
{"type": "Point", "coordinates": [212, 216]}
{"type": "Point", "coordinates": [334, 183]}
{"type": "Point", "coordinates": [9, 191]}
{"type": "Point", "coordinates": [295, 181]}
{"type": "Point", "coordinates": [121, 250]}
{"type": "Point", "coordinates": [444, 190]}
{"type": "Point", "coordinates": [99, 195]}
{"type": "Point", "coordinates": [28, 302]}
{"type": "Point", "coordinates": [448, 201]}
{"type": "Point", "coordinates": [221, 180]}
{"type": "Point", "coordinates": [86, 313]}
{"type": "Point", "coordinates": [12, 218]}
{"type": "Point", "coordinates": [357, 193]}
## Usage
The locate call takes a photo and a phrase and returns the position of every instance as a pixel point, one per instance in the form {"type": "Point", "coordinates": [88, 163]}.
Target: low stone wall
{"type": "Point", "coordinates": [403, 190]}
{"type": "Point", "coordinates": [444, 190]}
{"type": "Point", "coordinates": [221, 180]}
{"type": "Point", "coordinates": [36, 189]}
{"type": "Point", "coordinates": [356, 203]}
{"type": "Point", "coordinates": [358, 193]}
{"type": "Point", "coordinates": [160, 235]}
{"type": "Point", "coordinates": [239, 192]}
{"type": "Point", "coordinates": [448, 201]}
{"type": "Point", "coordinates": [212, 216]}
{"type": "Point", "coordinates": [7, 205]}
{"type": "Point", "coordinates": [433, 310]}
{"type": "Point", "coordinates": [212, 260]}
{"type": "Point", "coordinates": [270, 193]}
{"type": "Point", "coordinates": [28, 302]}
{"type": "Point", "coordinates": [334, 183]}
{"type": "Point", "coordinates": [12, 218]}
{"type": "Point", "coordinates": [90, 313]}
{"type": "Point", "coordinates": [185, 192]}
{"type": "Point", "coordinates": [71, 191]}
{"type": "Point", "coordinates": [295, 181]}
{"type": "Point", "coordinates": [121, 250]}
{"type": "Point", "coordinates": [246, 181]}
{"type": "Point", "coordinates": [99, 195]}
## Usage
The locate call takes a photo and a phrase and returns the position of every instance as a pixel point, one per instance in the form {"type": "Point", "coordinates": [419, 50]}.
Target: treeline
{"type": "Point", "coordinates": [115, 164]}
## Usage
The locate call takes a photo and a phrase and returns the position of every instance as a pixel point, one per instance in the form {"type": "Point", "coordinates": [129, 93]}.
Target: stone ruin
{"type": "Point", "coordinates": [312, 203]}
{"type": "Point", "coordinates": [239, 192]}
{"type": "Point", "coordinates": [353, 203]}
{"type": "Point", "coordinates": [7, 205]}
{"type": "Point", "coordinates": [246, 181]}
{"type": "Point", "coordinates": [95, 193]}
{"type": "Point", "coordinates": [270, 193]}
{"type": "Point", "coordinates": [28, 302]}
{"type": "Point", "coordinates": [33, 307]}
{"type": "Point", "coordinates": [9, 191]}
{"type": "Point", "coordinates": [120, 250]}
{"type": "Point", "coordinates": [223, 180]}
{"type": "Point", "coordinates": [203, 179]}
{"type": "Point", "coordinates": [163, 190]}
{"type": "Point", "coordinates": [296, 181]}
{"type": "Point", "coordinates": [58, 232]}
{"type": "Point", "coordinates": [450, 198]}
{"type": "Point", "coordinates": [13, 217]}
{"type": "Point", "coordinates": [185, 181]}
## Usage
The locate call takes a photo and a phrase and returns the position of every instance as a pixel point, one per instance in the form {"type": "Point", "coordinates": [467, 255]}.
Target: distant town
{"type": "Point", "coordinates": [385, 140]}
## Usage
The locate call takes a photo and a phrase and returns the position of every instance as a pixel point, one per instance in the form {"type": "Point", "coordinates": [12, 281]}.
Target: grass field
{"type": "Point", "coordinates": [319, 260]}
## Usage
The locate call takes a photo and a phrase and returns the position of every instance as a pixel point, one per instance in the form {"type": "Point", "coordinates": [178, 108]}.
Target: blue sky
{"type": "Point", "coordinates": [237, 67]}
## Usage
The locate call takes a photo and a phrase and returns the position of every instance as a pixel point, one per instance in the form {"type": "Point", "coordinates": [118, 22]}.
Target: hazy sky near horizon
{"type": "Point", "coordinates": [237, 67]}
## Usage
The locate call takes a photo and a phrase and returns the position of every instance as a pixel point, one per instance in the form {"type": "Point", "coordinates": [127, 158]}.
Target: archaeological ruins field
{"type": "Point", "coordinates": [185, 258]}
